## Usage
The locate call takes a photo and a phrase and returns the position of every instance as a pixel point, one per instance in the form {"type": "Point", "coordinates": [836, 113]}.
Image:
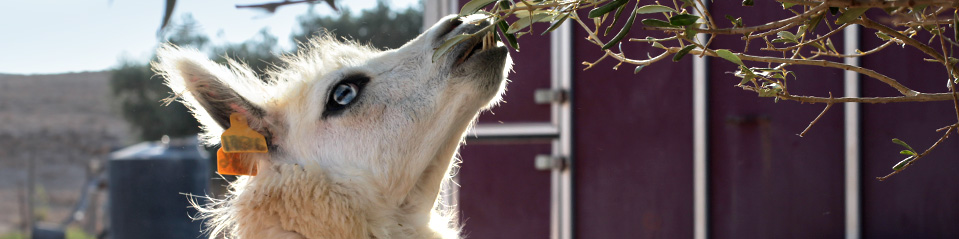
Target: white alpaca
{"type": "Point", "coordinates": [360, 140]}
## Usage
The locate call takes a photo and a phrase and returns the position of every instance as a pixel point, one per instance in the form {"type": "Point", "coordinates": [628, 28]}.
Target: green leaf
{"type": "Point", "coordinates": [556, 23]}
{"type": "Point", "coordinates": [907, 152]}
{"type": "Point", "coordinates": [682, 52]}
{"type": "Point", "coordinates": [729, 56]}
{"type": "Point", "coordinates": [737, 22]}
{"type": "Point", "coordinates": [770, 90]}
{"type": "Point", "coordinates": [955, 25]}
{"type": "Point", "coordinates": [504, 5]}
{"type": "Point", "coordinates": [814, 22]}
{"type": "Point", "coordinates": [619, 11]}
{"type": "Point", "coordinates": [446, 46]}
{"type": "Point", "coordinates": [748, 2]}
{"type": "Point", "coordinates": [788, 5]}
{"type": "Point", "coordinates": [658, 45]}
{"type": "Point", "coordinates": [609, 7]}
{"type": "Point", "coordinates": [899, 142]}
{"type": "Point", "coordinates": [654, 9]}
{"type": "Point", "coordinates": [683, 19]}
{"type": "Point", "coordinates": [883, 36]}
{"type": "Point", "coordinates": [788, 36]}
{"type": "Point", "coordinates": [850, 14]}
{"type": "Point", "coordinates": [903, 163]}
{"type": "Point", "coordinates": [817, 46]}
{"type": "Point", "coordinates": [691, 31]}
{"type": "Point", "coordinates": [656, 23]}
{"type": "Point", "coordinates": [830, 45]}
{"type": "Point", "coordinates": [473, 6]}
{"type": "Point", "coordinates": [510, 38]}
{"type": "Point", "coordinates": [780, 40]}
{"type": "Point", "coordinates": [622, 32]}
{"type": "Point", "coordinates": [523, 23]}
{"type": "Point", "coordinates": [746, 73]}
{"type": "Point", "coordinates": [639, 68]}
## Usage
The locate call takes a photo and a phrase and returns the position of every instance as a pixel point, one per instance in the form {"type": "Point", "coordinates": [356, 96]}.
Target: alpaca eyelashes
{"type": "Point", "coordinates": [344, 94]}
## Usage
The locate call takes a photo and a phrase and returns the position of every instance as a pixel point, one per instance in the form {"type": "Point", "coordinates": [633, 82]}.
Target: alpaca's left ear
{"type": "Point", "coordinates": [212, 91]}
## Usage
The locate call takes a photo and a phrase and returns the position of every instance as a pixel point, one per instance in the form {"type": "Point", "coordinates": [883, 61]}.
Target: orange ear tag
{"type": "Point", "coordinates": [236, 143]}
{"type": "Point", "coordinates": [234, 164]}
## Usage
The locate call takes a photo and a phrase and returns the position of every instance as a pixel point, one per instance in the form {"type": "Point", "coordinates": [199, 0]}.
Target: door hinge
{"type": "Point", "coordinates": [547, 162]}
{"type": "Point", "coordinates": [549, 96]}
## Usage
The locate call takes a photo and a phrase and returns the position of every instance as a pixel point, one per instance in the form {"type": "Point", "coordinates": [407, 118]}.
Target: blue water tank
{"type": "Point", "coordinates": [149, 187]}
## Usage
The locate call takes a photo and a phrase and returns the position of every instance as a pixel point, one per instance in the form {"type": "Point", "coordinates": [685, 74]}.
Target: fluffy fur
{"type": "Point", "coordinates": [373, 170]}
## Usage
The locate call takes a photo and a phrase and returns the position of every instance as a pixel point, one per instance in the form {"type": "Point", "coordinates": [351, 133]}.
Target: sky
{"type": "Point", "coordinates": [48, 37]}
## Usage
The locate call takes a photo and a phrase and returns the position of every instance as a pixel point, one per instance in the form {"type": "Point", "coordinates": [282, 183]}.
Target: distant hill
{"type": "Point", "coordinates": [60, 121]}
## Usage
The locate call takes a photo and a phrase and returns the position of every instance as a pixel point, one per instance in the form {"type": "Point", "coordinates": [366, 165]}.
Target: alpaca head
{"type": "Point", "coordinates": [383, 123]}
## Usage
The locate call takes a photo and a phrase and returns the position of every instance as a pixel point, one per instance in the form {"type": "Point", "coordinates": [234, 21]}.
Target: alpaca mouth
{"type": "Point", "coordinates": [487, 42]}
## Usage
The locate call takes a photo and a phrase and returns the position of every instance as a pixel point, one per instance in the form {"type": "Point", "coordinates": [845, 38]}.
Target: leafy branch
{"type": "Point", "coordinates": [794, 37]}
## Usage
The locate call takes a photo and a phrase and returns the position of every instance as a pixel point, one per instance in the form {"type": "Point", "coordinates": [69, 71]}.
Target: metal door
{"type": "Point", "coordinates": [502, 193]}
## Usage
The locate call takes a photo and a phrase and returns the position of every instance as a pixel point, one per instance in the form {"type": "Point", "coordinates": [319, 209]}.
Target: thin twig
{"type": "Point", "coordinates": [595, 40]}
{"type": "Point", "coordinates": [923, 23]}
{"type": "Point", "coordinates": [874, 50]}
{"type": "Point", "coordinates": [923, 154]}
{"type": "Point", "coordinates": [653, 40]}
{"type": "Point", "coordinates": [775, 31]}
{"type": "Point", "coordinates": [873, 4]}
{"type": "Point", "coordinates": [828, 105]}
{"type": "Point", "coordinates": [905, 39]}
{"type": "Point", "coordinates": [810, 41]}
{"type": "Point", "coordinates": [591, 64]}
{"type": "Point", "coordinates": [764, 27]}
{"type": "Point", "coordinates": [871, 73]}
{"type": "Point", "coordinates": [922, 97]}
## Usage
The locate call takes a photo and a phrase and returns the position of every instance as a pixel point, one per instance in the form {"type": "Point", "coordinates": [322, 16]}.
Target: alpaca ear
{"type": "Point", "coordinates": [212, 91]}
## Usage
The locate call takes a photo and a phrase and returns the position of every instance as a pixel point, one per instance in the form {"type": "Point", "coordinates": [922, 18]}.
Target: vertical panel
{"type": "Point", "coordinates": [700, 143]}
{"type": "Point", "coordinates": [502, 194]}
{"type": "Point", "coordinates": [922, 201]}
{"type": "Point", "coordinates": [633, 138]}
{"type": "Point", "coordinates": [766, 182]}
{"type": "Point", "coordinates": [852, 141]}
{"type": "Point", "coordinates": [530, 72]}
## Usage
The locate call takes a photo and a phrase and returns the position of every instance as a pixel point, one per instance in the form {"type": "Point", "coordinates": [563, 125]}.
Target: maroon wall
{"type": "Point", "coordinates": [633, 149]}
{"type": "Point", "coordinates": [923, 200]}
{"type": "Point", "coordinates": [632, 139]}
{"type": "Point", "coordinates": [531, 71]}
{"type": "Point", "coordinates": [765, 181]}
{"type": "Point", "coordinates": [502, 194]}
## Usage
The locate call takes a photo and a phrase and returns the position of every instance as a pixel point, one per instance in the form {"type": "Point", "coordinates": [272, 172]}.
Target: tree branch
{"type": "Point", "coordinates": [922, 97]}
{"type": "Point", "coordinates": [872, 4]}
{"type": "Point", "coordinates": [923, 154]}
{"type": "Point", "coordinates": [905, 39]}
{"type": "Point", "coordinates": [828, 105]}
{"type": "Point", "coordinates": [764, 27]}
{"type": "Point", "coordinates": [874, 50]}
{"type": "Point", "coordinates": [271, 7]}
{"type": "Point", "coordinates": [810, 41]}
{"type": "Point", "coordinates": [885, 79]}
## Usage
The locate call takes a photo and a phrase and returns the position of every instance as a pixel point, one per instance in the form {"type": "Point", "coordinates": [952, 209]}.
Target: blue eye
{"type": "Point", "coordinates": [344, 94]}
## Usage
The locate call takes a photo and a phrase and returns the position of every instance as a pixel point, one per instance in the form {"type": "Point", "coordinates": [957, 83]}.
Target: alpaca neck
{"type": "Point", "coordinates": [289, 201]}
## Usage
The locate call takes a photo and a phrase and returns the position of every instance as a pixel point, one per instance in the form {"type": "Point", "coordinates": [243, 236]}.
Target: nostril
{"type": "Point", "coordinates": [452, 24]}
